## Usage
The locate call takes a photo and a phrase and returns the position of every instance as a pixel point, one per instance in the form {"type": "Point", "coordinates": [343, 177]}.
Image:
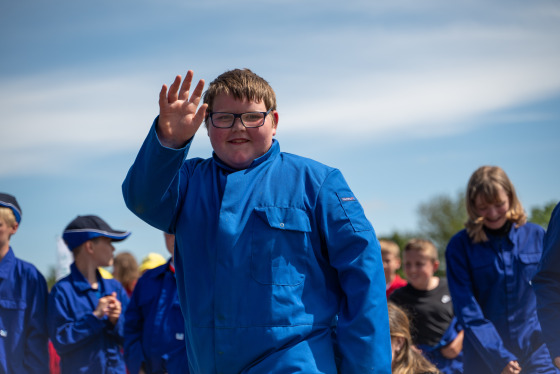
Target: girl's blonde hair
{"type": "Point", "coordinates": [486, 182]}
{"type": "Point", "coordinates": [407, 360]}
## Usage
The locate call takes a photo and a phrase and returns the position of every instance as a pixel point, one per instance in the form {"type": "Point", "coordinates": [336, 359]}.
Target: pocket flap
{"type": "Point", "coordinates": [530, 258]}
{"type": "Point", "coordinates": [285, 218]}
{"type": "Point", "coordinates": [13, 304]}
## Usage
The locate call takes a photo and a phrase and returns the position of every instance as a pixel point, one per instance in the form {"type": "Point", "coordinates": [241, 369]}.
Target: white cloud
{"type": "Point", "coordinates": [373, 80]}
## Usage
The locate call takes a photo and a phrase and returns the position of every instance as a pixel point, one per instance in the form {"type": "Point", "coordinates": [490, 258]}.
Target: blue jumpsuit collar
{"type": "Point", "coordinates": [81, 283]}
{"type": "Point", "coordinates": [7, 264]}
{"type": "Point", "coordinates": [272, 152]}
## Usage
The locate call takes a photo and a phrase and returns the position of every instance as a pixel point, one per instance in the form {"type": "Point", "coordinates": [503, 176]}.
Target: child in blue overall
{"type": "Point", "coordinates": [547, 287]}
{"type": "Point", "coordinates": [490, 265]}
{"type": "Point", "coordinates": [154, 330]}
{"type": "Point", "coordinates": [271, 247]}
{"type": "Point", "coordinates": [84, 311]}
{"type": "Point", "coordinates": [23, 302]}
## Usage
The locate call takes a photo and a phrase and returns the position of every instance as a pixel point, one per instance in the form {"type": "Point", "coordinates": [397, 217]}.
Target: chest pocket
{"type": "Point", "coordinates": [12, 315]}
{"type": "Point", "coordinates": [279, 245]}
{"type": "Point", "coordinates": [529, 264]}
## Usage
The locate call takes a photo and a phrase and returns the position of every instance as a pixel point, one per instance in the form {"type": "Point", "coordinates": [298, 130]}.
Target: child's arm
{"type": "Point", "coordinates": [67, 333]}
{"type": "Point", "coordinates": [547, 287]}
{"type": "Point", "coordinates": [452, 350]}
{"type": "Point", "coordinates": [36, 337]}
{"type": "Point", "coordinates": [151, 187]}
{"type": "Point", "coordinates": [363, 337]}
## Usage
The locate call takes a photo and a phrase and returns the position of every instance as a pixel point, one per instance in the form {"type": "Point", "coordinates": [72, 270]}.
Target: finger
{"type": "Point", "coordinates": [197, 93]}
{"type": "Point", "coordinates": [163, 96]}
{"type": "Point", "coordinates": [186, 86]}
{"type": "Point", "coordinates": [200, 114]}
{"type": "Point", "coordinates": [173, 89]}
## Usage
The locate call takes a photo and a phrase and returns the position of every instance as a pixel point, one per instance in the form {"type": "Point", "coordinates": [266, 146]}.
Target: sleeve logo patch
{"type": "Point", "coordinates": [348, 198]}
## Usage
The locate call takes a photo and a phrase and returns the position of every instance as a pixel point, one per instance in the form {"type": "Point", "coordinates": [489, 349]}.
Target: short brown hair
{"type": "Point", "coordinates": [485, 182]}
{"type": "Point", "coordinates": [242, 84]}
{"type": "Point", "coordinates": [389, 246]}
{"type": "Point", "coordinates": [422, 245]}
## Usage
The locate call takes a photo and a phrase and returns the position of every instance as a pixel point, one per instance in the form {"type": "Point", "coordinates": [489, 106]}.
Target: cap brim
{"type": "Point", "coordinates": [74, 238]}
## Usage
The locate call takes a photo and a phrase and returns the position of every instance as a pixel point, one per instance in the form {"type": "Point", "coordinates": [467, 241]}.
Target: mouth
{"type": "Point", "coordinates": [238, 141]}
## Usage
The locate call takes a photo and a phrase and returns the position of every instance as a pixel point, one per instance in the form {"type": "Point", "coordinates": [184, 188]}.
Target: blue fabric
{"type": "Point", "coordinates": [23, 307]}
{"type": "Point", "coordinates": [265, 259]}
{"type": "Point", "coordinates": [433, 353]}
{"type": "Point", "coordinates": [154, 330]}
{"type": "Point", "coordinates": [547, 285]}
{"type": "Point", "coordinates": [85, 343]}
{"type": "Point", "coordinates": [490, 285]}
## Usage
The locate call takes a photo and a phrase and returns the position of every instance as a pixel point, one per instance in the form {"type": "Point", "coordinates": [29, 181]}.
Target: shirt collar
{"type": "Point", "coordinates": [7, 264]}
{"type": "Point", "coordinates": [81, 283]}
{"type": "Point", "coordinates": [271, 153]}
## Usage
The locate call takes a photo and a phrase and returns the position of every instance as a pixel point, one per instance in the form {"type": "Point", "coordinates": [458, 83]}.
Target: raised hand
{"type": "Point", "coordinates": [179, 118]}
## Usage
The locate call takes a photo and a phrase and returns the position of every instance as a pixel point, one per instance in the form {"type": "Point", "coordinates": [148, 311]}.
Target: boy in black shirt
{"type": "Point", "coordinates": [426, 298]}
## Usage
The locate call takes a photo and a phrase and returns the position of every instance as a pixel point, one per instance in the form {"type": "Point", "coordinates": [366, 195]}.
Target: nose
{"type": "Point", "coordinates": [237, 124]}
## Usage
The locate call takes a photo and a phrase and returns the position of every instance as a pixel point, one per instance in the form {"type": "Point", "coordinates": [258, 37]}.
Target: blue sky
{"type": "Point", "coordinates": [407, 98]}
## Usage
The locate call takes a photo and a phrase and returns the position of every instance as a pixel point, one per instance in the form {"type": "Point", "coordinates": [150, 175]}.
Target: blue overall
{"type": "Point", "coordinates": [490, 284]}
{"type": "Point", "coordinates": [547, 285]}
{"type": "Point", "coordinates": [266, 257]}
{"type": "Point", "coordinates": [154, 330]}
{"type": "Point", "coordinates": [85, 343]}
{"type": "Point", "coordinates": [23, 307]}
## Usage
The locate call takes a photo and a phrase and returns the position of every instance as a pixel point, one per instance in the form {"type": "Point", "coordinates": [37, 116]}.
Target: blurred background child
{"type": "Point", "coordinates": [125, 270]}
{"type": "Point", "coordinates": [391, 257]}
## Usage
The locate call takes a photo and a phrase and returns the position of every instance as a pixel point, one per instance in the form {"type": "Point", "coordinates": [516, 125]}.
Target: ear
{"type": "Point", "coordinates": [436, 265]}
{"type": "Point", "coordinates": [275, 119]}
{"type": "Point", "coordinates": [399, 343]}
{"type": "Point", "coordinates": [14, 228]}
{"type": "Point", "coordinates": [88, 246]}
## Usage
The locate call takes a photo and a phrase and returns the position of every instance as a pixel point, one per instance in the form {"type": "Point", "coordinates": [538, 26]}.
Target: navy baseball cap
{"type": "Point", "coordinates": [9, 201]}
{"type": "Point", "coordinates": [84, 228]}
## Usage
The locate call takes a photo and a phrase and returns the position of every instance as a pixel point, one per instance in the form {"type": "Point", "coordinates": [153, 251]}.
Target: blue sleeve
{"type": "Point", "coordinates": [451, 333]}
{"type": "Point", "coordinates": [478, 330]}
{"type": "Point", "coordinates": [151, 187]}
{"type": "Point", "coordinates": [547, 285]}
{"type": "Point", "coordinates": [66, 333]}
{"type": "Point", "coordinates": [36, 342]}
{"type": "Point", "coordinates": [117, 331]}
{"type": "Point", "coordinates": [133, 325]}
{"type": "Point", "coordinates": [362, 334]}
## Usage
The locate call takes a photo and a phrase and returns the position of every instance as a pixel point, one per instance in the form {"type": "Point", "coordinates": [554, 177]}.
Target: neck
{"type": "Point", "coordinates": [88, 270]}
{"type": "Point", "coordinates": [4, 250]}
{"type": "Point", "coordinates": [389, 278]}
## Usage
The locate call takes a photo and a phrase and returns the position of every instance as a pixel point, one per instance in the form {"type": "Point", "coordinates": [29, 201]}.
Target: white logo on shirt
{"type": "Point", "coordinates": [3, 333]}
{"type": "Point", "coordinates": [445, 299]}
{"type": "Point", "coordinates": [179, 336]}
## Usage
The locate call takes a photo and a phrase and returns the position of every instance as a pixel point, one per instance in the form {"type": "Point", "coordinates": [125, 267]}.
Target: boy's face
{"type": "Point", "coordinates": [5, 232]}
{"type": "Point", "coordinates": [391, 264]}
{"type": "Point", "coordinates": [419, 269]}
{"type": "Point", "coordinates": [239, 146]}
{"type": "Point", "coordinates": [102, 249]}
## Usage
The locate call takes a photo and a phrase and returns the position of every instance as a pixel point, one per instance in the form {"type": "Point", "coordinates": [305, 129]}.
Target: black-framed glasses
{"type": "Point", "coordinates": [250, 120]}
